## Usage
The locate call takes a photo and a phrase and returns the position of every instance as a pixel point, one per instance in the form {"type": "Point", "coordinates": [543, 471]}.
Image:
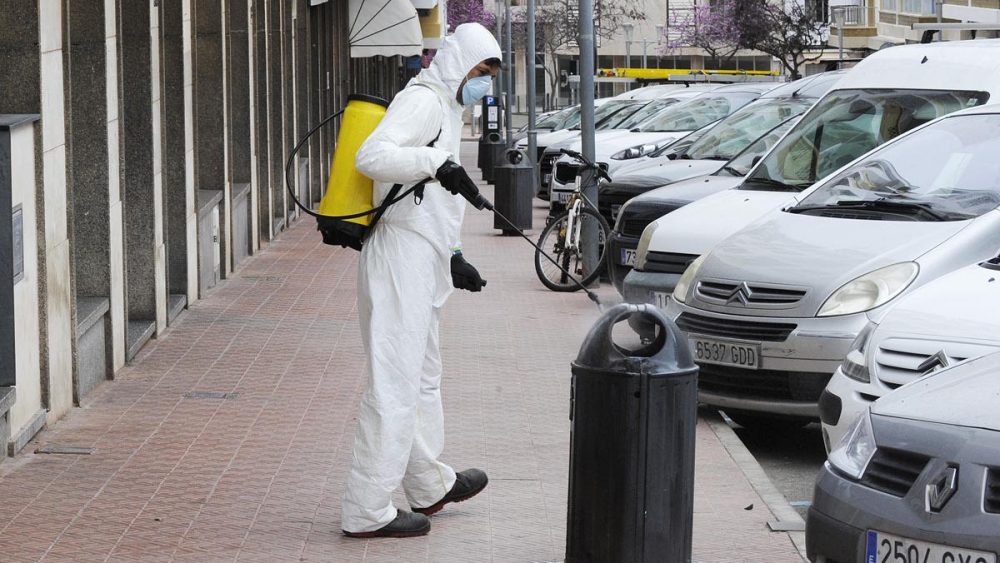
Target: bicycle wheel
{"type": "Point", "coordinates": [553, 242]}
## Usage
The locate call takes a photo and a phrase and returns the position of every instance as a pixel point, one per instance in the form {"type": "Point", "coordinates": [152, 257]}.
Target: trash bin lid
{"type": "Point", "coordinates": [668, 353]}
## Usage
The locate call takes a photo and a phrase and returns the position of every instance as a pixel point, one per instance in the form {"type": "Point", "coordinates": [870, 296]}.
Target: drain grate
{"type": "Point", "coordinates": [65, 450]}
{"type": "Point", "coordinates": [211, 395]}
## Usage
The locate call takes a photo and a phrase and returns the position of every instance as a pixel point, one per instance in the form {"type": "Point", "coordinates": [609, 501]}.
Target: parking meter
{"type": "Point", "coordinates": [491, 115]}
{"type": "Point", "coordinates": [491, 144]}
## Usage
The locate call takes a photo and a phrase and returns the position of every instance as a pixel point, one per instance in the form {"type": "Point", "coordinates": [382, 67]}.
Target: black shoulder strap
{"type": "Point", "coordinates": [418, 191]}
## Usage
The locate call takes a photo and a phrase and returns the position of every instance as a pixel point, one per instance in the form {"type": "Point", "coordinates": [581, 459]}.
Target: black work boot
{"type": "Point", "coordinates": [468, 484]}
{"type": "Point", "coordinates": [405, 525]}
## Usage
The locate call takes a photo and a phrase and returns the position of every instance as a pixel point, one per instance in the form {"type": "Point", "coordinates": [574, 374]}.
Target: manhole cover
{"type": "Point", "coordinates": [211, 395]}
{"type": "Point", "coordinates": [65, 450]}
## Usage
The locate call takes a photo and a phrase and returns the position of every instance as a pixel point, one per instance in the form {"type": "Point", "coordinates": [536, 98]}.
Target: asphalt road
{"type": "Point", "coordinates": [790, 457]}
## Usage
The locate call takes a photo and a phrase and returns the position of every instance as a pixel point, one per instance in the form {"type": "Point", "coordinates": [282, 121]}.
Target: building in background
{"type": "Point", "coordinates": [146, 144]}
{"type": "Point", "coordinates": [869, 25]}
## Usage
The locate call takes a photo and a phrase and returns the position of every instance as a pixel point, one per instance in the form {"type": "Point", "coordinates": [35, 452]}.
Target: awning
{"type": "Point", "coordinates": [384, 27]}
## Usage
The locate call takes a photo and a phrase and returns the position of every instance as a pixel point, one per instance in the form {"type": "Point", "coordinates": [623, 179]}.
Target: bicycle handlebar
{"type": "Point", "coordinates": [601, 172]}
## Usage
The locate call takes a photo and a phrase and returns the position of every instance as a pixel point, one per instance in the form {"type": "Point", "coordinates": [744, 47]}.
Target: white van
{"type": "Point", "coordinates": [888, 93]}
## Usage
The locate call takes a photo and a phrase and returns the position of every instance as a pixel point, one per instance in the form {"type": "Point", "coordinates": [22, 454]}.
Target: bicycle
{"type": "Point", "coordinates": [561, 236]}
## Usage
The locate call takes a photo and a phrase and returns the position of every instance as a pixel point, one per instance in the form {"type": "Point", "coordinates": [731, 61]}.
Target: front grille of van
{"type": "Point", "coordinates": [732, 328]}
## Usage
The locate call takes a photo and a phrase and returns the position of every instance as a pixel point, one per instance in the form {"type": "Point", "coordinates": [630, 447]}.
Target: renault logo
{"type": "Point", "coordinates": [940, 490]}
{"type": "Point", "coordinates": [935, 362]}
{"type": "Point", "coordinates": [741, 295]}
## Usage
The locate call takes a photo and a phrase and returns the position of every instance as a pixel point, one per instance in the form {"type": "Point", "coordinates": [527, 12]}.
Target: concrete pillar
{"type": "Point", "coordinates": [58, 329]}
{"type": "Point", "coordinates": [237, 131]}
{"type": "Point", "coordinates": [85, 66]}
{"type": "Point", "coordinates": [144, 252]}
{"type": "Point", "coordinates": [173, 150]}
{"type": "Point", "coordinates": [275, 112]}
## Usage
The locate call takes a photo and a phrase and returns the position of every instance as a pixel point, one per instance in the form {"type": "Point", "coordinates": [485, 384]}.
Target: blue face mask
{"type": "Point", "coordinates": [476, 88]}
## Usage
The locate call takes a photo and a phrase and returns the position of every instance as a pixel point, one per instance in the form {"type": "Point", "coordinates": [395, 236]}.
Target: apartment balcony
{"type": "Point", "coordinates": [853, 24]}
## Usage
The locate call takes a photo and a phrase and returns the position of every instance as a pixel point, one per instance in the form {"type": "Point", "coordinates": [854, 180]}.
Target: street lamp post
{"type": "Point", "coordinates": [628, 27]}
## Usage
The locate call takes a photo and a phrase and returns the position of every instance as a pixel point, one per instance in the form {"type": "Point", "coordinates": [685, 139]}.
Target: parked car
{"type": "Point", "coordinates": [549, 146]}
{"type": "Point", "coordinates": [888, 93]}
{"type": "Point", "coordinates": [715, 145]}
{"type": "Point", "coordinates": [661, 129]}
{"type": "Point", "coordinates": [917, 478]}
{"type": "Point", "coordinates": [650, 92]}
{"type": "Point", "coordinates": [772, 310]}
{"type": "Point", "coordinates": [638, 212]}
{"type": "Point", "coordinates": [945, 322]}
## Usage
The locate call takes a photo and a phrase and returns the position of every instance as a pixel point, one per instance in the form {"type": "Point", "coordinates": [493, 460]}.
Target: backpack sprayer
{"type": "Point", "coordinates": [347, 213]}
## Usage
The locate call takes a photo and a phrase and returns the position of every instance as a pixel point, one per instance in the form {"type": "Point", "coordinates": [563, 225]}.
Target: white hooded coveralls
{"type": "Point", "coordinates": [404, 279]}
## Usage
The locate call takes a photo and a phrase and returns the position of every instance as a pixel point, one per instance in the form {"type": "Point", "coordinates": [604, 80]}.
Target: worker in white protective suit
{"type": "Point", "coordinates": [408, 267]}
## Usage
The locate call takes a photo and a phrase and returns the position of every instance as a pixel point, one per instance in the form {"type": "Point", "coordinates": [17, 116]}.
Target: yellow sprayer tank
{"type": "Point", "coordinates": [348, 191]}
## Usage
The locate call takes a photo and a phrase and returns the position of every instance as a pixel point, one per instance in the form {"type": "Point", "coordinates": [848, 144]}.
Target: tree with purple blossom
{"type": "Point", "coordinates": [466, 11]}
{"type": "Point", "coordinates": [712, 27]}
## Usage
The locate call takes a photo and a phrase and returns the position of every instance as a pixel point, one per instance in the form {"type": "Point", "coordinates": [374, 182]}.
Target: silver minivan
{"type": "Point", "coordinates": [772, 310]}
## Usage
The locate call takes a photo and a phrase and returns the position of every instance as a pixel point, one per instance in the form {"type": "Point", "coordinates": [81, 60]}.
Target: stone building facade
{"type": "Point", "coordinates": [142, 151]}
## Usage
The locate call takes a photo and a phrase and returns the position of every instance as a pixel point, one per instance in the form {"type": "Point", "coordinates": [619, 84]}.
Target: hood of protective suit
{"type": "Point", "coordinates": [460, 52]}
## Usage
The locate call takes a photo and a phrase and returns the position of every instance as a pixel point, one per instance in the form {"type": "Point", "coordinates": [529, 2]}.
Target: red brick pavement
{"type": "Point", "coordinates": [259, 476]}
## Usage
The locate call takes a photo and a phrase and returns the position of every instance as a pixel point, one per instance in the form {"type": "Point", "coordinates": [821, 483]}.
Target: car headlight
{"type": "Point", "coordinates": [643, 247]}
{"type": "Point", "coordinates": [683, 284]}
{"type": "Point", "coordinates": [852, 455]}
{"type": "Point", "coordinates": [635, 152]}
{"type": "Point", "coordinates": [870, 290]}
{"type": "Point", "coordinates": [854, 365]}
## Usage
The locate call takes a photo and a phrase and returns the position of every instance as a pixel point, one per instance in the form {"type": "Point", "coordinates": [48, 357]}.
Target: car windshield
{"type": "Point", "coordinates": [697, 113]}
{"type": "Point", "coordinates": [552, 121]}
{"type": "Point", "coordinates": [948, 171]}
{"type": "Point", "coordinates": [614, 120]}
{"type": "Point", "coordinates": [741, 164]}
{"type": "Point", "coordinates": [647, 111]}
{"type": "Point", "coordinates": [736, 132]}
{"type": "Point", "coordinates": [845, 125]}
{"type": "Point", "coordinates": [600, 113]}
{"type": "Point", "coordinates": [682, 145]}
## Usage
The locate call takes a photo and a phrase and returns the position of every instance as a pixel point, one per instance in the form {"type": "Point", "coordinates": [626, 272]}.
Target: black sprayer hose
{"type": "Point", "coordinates": [291, 192]}
{"type": "Point", "coordinates": [593, 296]}
{"type": "Point", "coordinates": [288, 184]}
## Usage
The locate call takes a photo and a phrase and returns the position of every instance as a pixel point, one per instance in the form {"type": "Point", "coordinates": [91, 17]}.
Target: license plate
{"type": "Point", "coordinates": [661, 299]}
{"type": "Point", "coordinates": [887, 548]}
{"type": "Point", "coordinates": [627, 257]}
{"type": "Point", "coordinates": [726, 352]}
{"type": "Point", "coordinates": [563, 197]}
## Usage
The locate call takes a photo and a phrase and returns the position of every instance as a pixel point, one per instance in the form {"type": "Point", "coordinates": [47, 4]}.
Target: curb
{"type": "Point", "coordinates": [787, 519]}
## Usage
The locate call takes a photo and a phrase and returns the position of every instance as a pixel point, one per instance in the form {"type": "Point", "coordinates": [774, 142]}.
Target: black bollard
{"type": "Point", "coordinates": [633, 413]}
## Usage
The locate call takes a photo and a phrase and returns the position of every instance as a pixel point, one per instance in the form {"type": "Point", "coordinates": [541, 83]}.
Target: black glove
{"type": "Point", "coordinates": [464, 275]}
{"type": "Point", "coordinates": [454, 179]}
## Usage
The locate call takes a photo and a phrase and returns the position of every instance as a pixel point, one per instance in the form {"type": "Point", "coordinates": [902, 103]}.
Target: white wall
{"type": "Point", "coordinates": [29, 384]}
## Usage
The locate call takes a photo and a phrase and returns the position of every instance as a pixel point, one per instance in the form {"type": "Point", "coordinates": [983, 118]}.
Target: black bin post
{"type": "Point", "coordinates": [490, 142]}
{"type": "Point", "coordinates": [633, 413]}
{"type": "Point", "coordinates": [514, 190]}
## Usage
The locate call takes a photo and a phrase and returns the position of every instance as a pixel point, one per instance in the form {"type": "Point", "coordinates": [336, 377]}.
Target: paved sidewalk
{"type": "Point", "coordinates": [182, 471]}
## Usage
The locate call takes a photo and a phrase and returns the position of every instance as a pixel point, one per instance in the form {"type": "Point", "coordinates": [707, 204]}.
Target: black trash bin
{"type": "Point", "coordinates": [514, 190]}
{"type": "Point", "coordinates": [491, 148]}
{"type": "Point", "coordinates": [633, 412]}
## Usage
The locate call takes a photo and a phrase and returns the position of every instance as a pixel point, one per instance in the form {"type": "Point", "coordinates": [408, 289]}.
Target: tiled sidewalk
{"type": "Point", "coordinates": [182, 471]}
